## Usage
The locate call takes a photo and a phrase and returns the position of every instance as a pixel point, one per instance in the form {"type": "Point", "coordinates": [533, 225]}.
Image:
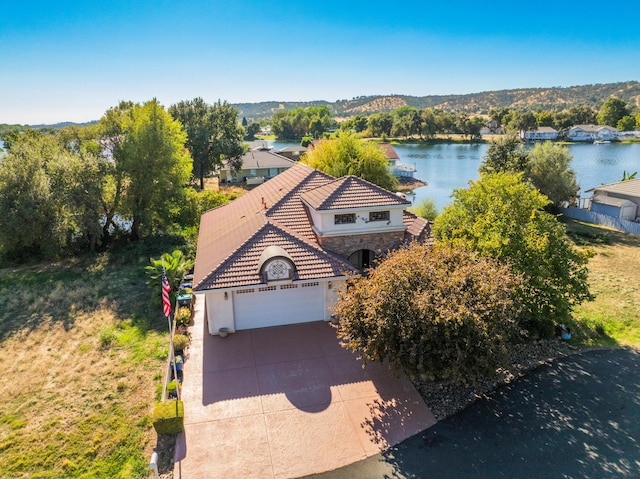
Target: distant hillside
{"type": "Point", "coordinates": [7, 128]}
{"type": "Point", "coordinates": [554, 98]}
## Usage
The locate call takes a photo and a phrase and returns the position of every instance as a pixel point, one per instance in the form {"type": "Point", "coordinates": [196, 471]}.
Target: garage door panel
{"type": "Point", "coordinates": [278, 305]}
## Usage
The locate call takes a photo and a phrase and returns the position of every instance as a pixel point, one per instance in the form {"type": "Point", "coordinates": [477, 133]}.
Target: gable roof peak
{"type": "Point", "coordinates": [350, 192]}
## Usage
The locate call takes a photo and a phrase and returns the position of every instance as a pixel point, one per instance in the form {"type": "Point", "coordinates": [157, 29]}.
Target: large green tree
{"type": "Point", "coordinates": [626, 123]}
{"type": "Point", "coordinates": [295, 124]}
{"type": "Point", "coordinates": [503, 217]}
{"type": "Point", "coordinates": [519, 120]}
{"type": "Point", "coordinates": [433, 312]}
{"type": "Point", "coordinates": [156, 164]}
{"type": "Point", "coordinates": [49, 198]}
{"type": "Point", "coordinates": [550, 172]}
{"type": "Point", "coordinates": [612, 111]}
{"type": "Point", "coordinates": [348, 155]}
{"type": "Point", "coordinates": [505, 154]}
{"type": "Point", "coordinates": [213, 135]}
{"type": "Point", "coordinates": [380, 124]}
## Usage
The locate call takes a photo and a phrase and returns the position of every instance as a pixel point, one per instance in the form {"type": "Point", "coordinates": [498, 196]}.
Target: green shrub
{"type": "Point", "coordinates": [183, 316]}
{"type": "Point", "coordinates": [107, 338]}
{"type": "Point", "coordinates": [171, 387]}
{"type": "Point", "coordinates": [168, 417]}
{"type": "Point", "coordinates": [180, 341]}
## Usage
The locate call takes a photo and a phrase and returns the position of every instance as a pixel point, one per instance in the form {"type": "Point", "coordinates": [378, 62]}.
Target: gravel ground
{"type": "Point", "coordinates": [445, 399]}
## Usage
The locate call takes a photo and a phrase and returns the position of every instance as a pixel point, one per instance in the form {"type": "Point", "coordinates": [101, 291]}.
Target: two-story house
{"type": "Point", "coordinates": [279, 254]}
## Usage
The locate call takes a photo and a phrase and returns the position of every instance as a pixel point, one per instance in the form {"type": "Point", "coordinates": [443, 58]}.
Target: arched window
{"type": "Point", "coordinates": [276, 265]}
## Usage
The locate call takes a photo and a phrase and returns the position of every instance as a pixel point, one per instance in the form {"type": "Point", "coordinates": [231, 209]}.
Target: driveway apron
{"type": "Point", "coordinates": [285, 402]}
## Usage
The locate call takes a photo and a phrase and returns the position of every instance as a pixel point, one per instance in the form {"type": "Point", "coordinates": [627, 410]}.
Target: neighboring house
{"type": "Point", "coordinates": [399, 170]}
{"type": "Point", "coordinates": [592, 133]}
{"type": "Point", "coordinates": [257, 144]}
{"type": "Point", "coordinates": [619, 200]}
{"type": "Point", "coordinates": [257, 166]}
{"type": "Point", "coordinates": [542, 133]}
{"type": "Point", "coordinates": [280, 253]}
{"type": "Point", "coordinates": [292, 152]}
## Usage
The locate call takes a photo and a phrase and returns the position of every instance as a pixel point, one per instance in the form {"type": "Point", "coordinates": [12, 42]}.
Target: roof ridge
{"type": "Point", "coordinates": [349, 180]}
{"type": "Point", "coordinates": [297, 189]}
{"type": "Point", "coordinates": [230, 255]}
{"type": "Point", "coordinates": [339, 188]}
{"type": "Point", "coordinates": [264, 229]}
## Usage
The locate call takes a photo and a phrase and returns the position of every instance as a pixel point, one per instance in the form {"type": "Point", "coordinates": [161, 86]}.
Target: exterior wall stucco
{"type": "Point", "coordinates": [331, 296]}
{"type": "Point", "coordinates": [324, 222]}
{"type": "Point", "coordinates": [219, 311]}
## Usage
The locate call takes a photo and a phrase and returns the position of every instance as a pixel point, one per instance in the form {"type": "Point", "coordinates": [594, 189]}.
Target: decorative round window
{"type": "Point", "coordinates": [278, 269]}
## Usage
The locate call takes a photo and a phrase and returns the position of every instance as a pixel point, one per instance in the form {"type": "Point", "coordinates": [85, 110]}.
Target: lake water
{"type": "Point", "coordinates": [447, 167]}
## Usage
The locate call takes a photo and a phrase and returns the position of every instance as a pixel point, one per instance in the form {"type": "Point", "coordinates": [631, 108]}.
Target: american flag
{"type": "Point", "coordinates": [166, 302]}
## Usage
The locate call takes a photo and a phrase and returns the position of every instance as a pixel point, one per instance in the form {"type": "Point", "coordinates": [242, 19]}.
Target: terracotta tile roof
{"type": "Point", "coordinates": [224, 229]}
{"type": "Point", "coordinates": [418, 229]}
{"type": "Point", "coordinates": [350, 192]}
{"type": "Point", "coordinates": [232, 237]}
{"type": "Point", "coordinates": [241, 268]}
{"type": "Point", "coordinates": [389, 151]}
{"type": "Point", "coordinates": [292, 213]}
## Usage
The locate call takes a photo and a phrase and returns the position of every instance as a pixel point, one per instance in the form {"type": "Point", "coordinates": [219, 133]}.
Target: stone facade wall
{"type": "Point", "coordinates": [378, 242]}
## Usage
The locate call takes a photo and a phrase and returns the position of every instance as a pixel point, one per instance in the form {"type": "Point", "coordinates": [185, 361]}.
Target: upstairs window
{"type": "Point", "coordinates": [379, 216]}
{"type": "Point", "coordinates": [344, 219]}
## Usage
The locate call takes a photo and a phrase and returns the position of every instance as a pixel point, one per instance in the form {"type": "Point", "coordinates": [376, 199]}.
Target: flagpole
{"type": "Point", "coordinates": [172, 357]}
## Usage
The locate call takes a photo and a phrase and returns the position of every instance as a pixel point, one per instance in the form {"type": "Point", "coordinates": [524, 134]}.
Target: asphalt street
{"type": "Point", "coordinates": [576, 418]}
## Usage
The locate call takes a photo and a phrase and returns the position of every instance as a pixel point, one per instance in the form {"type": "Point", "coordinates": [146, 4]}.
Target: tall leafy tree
{"type": "Point", "coordinates": [157, 167]}
{"type": "Point", "coordinates": [380, 124]}
{"type": "Point", "coordinates": [357, 124]}
{"type": "Point", "coordinates": [348, 155]}
{"type": "Point", "coordinates": [213, 135]}
{"type": "Point", "coordinates": [612, 111]}
{"type": "Point", "coordinates": [111, 133]}
{"type": "Point", "coordinates": [49, 198]}
{"type": "Point", "coordinates": [544, 118]}
{"type": "Point", "coordinates": [550, 172]}
{"type": "Point", "coordinates": [626, 123]}
{"type": "Point", "coordinates": [503, 217]}
{"type": "Point", "coordinates": [505, 154]}
{"type": "Point", "coordinates": [28, 207]}
{"type": "Point", "coordinates": [428, 122]}
{"type": "Point", "coordinates": [518, 120]}
{"type": "Point", "coordinates": [582, 115]}
{"type": "Point", "coordinates": [252, 130]}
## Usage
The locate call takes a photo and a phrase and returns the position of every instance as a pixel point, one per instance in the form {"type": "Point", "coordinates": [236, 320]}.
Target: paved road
{"type": "Point", "coordinates": [578, 418]}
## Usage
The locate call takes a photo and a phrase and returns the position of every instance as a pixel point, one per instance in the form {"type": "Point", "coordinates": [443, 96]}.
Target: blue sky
{"type": "Point", "coordinates": [71, 61]}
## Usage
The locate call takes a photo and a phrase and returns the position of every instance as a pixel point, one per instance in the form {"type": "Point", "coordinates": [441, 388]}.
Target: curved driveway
{"type": "Point", "coordinates": [576, 418]}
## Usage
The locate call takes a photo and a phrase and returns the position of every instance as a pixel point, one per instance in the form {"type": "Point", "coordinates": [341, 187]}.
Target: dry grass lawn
{"type": "Point", "coordinates": [82, 362]}
{"type": "Point", "coordinates": [613, 318]}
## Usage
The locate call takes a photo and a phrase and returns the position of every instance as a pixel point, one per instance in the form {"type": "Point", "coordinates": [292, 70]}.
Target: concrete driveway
{"type": "Point", "coordinates": [576, 418]}
{"type": "Point", "coordinates": [285, 402]}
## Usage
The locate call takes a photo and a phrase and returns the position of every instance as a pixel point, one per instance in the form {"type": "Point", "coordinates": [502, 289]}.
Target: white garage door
{"type": "Point", "coordinates": [277, 305]}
